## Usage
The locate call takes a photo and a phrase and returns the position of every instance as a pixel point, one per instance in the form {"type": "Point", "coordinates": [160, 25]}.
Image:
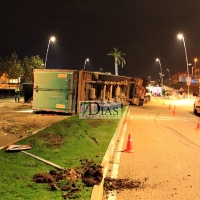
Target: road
{"type": "Point", "coordinates": [166, 152]}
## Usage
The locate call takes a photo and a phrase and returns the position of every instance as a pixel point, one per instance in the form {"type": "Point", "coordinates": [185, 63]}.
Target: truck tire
{"type": "Point", "coordinates": [141, 102]}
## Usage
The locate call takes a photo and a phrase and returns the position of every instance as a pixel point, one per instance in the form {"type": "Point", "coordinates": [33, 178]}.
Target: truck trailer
{"type": "Point", "coordinates": [61, 90]}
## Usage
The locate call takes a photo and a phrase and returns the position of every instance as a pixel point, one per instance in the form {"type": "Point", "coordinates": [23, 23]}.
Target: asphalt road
{"type": "Point", "coordinates": [166, 152]}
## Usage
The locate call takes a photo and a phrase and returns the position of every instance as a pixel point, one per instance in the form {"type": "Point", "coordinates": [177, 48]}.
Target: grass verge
{"type": "Point", "coordinates": [64, 143]}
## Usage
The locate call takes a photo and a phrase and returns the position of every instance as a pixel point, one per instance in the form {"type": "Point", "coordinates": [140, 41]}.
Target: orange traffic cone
{"type": "Point", "coordinates": [198, 125]}
{"type": "Point", "coordinates": [169, 106]}
{"type": "Point", "coordinates": [174, 111]}
{"type": "Point", "coordinates": [129, 145]}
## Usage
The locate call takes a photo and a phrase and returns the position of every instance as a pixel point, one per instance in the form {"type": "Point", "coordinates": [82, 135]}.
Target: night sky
{"type": "Point", "coordinates": [142, 29]}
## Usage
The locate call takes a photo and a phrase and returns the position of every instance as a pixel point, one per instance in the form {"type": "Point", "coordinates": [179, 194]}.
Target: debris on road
{"type": "Point", "coordinates": [120, 184]}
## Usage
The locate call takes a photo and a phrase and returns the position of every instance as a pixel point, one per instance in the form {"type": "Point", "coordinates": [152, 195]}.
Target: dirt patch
{"type": "Point", "coordinates": [121, 184]}
{"type": "Point", "coordinates": [96, 123]}
{"type": "Point", "coordinates": [72, 181]}
{"type": "Point", "coordinates": [112, 185]}
{"type": "Point", "coordinates": [52, 140]}
{"type": "Point", "coordinates": [17, 121]}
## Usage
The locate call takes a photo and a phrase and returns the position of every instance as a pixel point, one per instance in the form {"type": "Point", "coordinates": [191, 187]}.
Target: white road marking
{"type": "Point", "coordinates": [118, 154]}
{"type": "Point", "coordinates": [115, 168]}
{"type": "Point", "coordinates": [164, 118]}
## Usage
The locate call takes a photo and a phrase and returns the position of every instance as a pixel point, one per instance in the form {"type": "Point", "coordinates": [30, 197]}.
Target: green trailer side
{"type": "Point", "coordinates": [55, 90]}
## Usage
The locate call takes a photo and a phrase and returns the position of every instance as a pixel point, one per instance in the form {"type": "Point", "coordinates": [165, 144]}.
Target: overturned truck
{"type": "Point", "coordinates": [62, 90]}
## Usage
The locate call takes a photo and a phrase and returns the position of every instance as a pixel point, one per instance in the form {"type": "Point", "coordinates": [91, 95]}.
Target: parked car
{"type": "Point", "coordinates": [197, 105]}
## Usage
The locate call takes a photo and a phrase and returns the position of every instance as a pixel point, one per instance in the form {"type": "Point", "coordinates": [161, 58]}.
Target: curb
{"type": "Point", "coordinates": [97, 192]}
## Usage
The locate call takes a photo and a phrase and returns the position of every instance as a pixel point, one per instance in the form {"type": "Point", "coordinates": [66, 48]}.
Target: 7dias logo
{"type": "Point", "coordinates": [99, 110]}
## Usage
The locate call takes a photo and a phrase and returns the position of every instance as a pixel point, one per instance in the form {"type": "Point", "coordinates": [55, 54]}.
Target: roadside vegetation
{"type": "Point", "coordinates": [76, 145]}
{"type": "Point", "coordinates": [13, 67]}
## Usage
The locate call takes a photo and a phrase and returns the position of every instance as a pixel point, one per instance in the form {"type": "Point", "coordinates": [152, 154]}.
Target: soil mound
{"type": "Point", "coordinates": [72, 180]}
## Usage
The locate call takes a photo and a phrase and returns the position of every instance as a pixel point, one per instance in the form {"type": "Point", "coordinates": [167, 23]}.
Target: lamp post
{"type": "Point", "coordinates": [169, 76]}
{"type": "Point", "coordinates": [195, 64]}
{"type": "Point", "coordinates": [161, 74]}
{"type": "Point", "coordinates": [51, 39]}
{"type": "Point", "coordinates": [189, 64]}
{"type": "Point", "coordinates": [149, 80]}
{"type": "Point", "coordinates": [192, 71]}
{"type": "Point", "coordinates": [180, 36]}
{"type": "Point", "coordinates": [195, 61]}
{"type": "Point", "coordinates": [85, 63]}
{"type": "Point", "coordinates": [199, 85]}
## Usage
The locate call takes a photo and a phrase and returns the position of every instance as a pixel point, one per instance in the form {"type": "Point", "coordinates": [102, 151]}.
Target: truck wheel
{"type": "Point", "coordinates": [141, 102]}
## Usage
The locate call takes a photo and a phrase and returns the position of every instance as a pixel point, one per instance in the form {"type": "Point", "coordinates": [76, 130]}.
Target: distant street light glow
{"type": "Point", "coordinates": [180, 36]}
{"type": "Point", "coordinates": [53, 39]}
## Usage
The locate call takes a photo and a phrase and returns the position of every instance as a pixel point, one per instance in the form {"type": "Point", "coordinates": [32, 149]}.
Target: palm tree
{"type": "Point", "coordinates": [118, 58]}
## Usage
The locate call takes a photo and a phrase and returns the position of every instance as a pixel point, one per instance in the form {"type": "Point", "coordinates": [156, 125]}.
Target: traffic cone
{"type": "Point", "coordinates": [174, 111]}
{"type": "Point", "coordinates": [129, 145]}
{"type": "Point", "coordinates": [169, 106]}
{"type": "Point", "coordinates": [198, 125]}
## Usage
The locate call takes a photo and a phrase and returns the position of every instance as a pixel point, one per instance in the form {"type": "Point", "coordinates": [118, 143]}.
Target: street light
{"type": "Point", "coordinates": [51, 39]}
{"type": "Point", "coordinates": [192, 71]}
{"type": "Point", "coordinates": [189, 64]}
{"type": "Point", "coordinates": [199, 84]}
{"type": "Point", "coordinates": [86, 62]}
{"type": "Point", "coordinates": [180, 36]}
{"type": "Point", "coordinates": [169, 76]}
{"type": "Point", "coordinates": [161, 74]}
{"type": "Point", "coordinates": [195, 61]}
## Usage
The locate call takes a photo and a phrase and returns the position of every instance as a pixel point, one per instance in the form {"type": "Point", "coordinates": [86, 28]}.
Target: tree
{"type": "Point", "coordinates": [118, 58]}
{"type": "Point", "coordinates": [2, 70]}
{"type": "Point", "coordinates": [28, 66]}
{"type": "Point", "coordinates": [12, 66]}
{"type": "Point", "coordinates": [16, 68]}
